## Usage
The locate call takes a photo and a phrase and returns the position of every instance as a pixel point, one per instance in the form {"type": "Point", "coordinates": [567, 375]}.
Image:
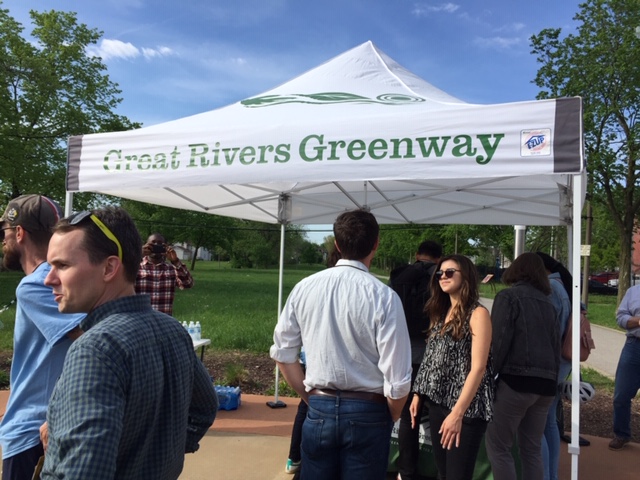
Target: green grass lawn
{"type": "Point", "coordinates": [238, 308]}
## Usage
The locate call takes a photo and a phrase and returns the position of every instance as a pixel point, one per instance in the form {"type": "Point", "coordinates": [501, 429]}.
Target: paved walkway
{"type": "Point", "coordinates": [604, 358]}
{"type": "Point", "coordinates": [252, 443]}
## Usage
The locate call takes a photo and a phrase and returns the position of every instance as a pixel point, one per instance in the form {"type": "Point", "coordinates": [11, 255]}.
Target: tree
{"type": "Point", "coordinates": [183, 226]}
{"type": "Point", "coordinates": [601, 63]}
{"type": "Point", "coordinates": [311, 253]}
{"type": "Point", "coordinates": [50, 88]}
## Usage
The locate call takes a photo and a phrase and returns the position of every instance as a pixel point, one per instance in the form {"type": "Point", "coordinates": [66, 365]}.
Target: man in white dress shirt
{"type": "Point", "coordinates": [358, 357]}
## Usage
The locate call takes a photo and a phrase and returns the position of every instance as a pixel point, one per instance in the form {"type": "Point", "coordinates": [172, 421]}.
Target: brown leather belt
{"type": "Point", "coordinates": [369, 396]}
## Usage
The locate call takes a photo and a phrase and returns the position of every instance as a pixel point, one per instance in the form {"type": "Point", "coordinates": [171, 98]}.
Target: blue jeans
{"type": "Point", "coordinates": [23, 464]}
{"type": "Point", "coordinates": [627, 385]}
{"type": "Point", "coordinates": [345, 439]}
{"type": "Point", "coordinates": [551, 438]}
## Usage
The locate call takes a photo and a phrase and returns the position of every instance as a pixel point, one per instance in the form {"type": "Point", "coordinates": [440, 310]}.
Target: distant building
{"type": "Point", "coordinates": [635, 252]}
{"type": "Point", "coordinates": [185, 252]}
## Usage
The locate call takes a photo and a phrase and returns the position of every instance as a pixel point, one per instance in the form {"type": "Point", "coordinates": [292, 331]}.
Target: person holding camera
{"type": "Point", "coordinates": [158, 278]}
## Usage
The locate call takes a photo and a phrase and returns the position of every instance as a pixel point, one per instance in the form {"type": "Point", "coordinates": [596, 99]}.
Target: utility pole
{"type": "Point", "coordinates": [587, 258]}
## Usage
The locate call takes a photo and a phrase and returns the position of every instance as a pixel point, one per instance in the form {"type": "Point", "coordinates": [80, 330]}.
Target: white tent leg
{"type": "Point", "coordinates": [276, 402]}
{"type": "Point", "coordinates": [574, 446]}
{"type": "Point", "coordinates": [68, 203]}
{"type": "Point", "coordinates": [520, 231]}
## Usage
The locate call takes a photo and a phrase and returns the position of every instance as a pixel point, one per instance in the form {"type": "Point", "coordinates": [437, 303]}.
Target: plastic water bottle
{"type": "Point", "coordinates": [229, 398]}
{"type": "Point", "coordinates": [192, 330]}
{"type": "Point", "coordinates": [184, 324]}
{"type": "Point", "coordinates": [198, 331]}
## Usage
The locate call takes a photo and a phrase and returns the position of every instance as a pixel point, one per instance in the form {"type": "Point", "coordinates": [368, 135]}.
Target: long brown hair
{"type": "Point", "coordinates": [528, 268]}
{"type": "Point", "coordinates": [440, 302]}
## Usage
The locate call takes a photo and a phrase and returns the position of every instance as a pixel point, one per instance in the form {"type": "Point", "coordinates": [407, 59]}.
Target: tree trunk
{"type": "Point", "coordinates": [624, 278]}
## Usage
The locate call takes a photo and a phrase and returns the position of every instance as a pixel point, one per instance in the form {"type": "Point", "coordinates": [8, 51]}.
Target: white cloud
{"type": "Point", "coordinates": [239, 61]}
{"type": "Point", "coordinates": [424, 9]}
{"type": "Point", "coordinates": [117, 49]}
{"type": "Point", "coordinates": [498, 42]}
{"type": "Point", "coordinates": [512, 27]}
{"type": "Point", "coordinates": [150, 53]}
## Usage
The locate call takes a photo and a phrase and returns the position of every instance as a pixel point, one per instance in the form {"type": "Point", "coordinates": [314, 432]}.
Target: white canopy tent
{"type": "Point", "coordinates": [358, 131]}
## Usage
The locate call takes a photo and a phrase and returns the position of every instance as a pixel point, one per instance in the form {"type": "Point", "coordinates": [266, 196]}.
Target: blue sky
{"type": "Point", "coordinates": [173, 59]}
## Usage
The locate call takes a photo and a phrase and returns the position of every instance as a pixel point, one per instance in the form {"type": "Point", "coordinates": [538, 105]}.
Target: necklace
{"type": "Point", "coordinates": [36, 267]}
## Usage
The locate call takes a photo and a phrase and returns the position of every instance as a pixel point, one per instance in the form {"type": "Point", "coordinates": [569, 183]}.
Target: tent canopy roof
{"type": "Point", "coordinates": [359, 131]}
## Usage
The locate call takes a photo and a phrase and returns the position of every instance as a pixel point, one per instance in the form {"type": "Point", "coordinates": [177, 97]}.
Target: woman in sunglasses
{"type": "Point", "coordinates": [455, 377]}
{"type": "Point", "coordinates": [526, 349]}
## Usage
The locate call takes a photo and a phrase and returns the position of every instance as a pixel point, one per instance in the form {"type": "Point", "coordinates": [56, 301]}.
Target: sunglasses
{"type": "Point", "coordinates": [447, 273]}
{"type": "Point", "coordinates": [79, 217]}
{"type": "Point", "coordinates": [2, 231]}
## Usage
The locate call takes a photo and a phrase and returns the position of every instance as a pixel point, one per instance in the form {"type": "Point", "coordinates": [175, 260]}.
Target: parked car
{"type": "Point", "coordinates": [601, 288]}
{"type": "Point", "coordinates": [604, 277]}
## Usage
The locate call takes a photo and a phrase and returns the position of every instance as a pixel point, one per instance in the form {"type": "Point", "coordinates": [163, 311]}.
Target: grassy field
{"type": "Point", "coordinates": [237, 308]}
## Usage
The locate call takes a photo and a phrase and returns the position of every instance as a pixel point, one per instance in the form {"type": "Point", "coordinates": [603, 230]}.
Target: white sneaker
{"type": "Point", "coordinates": [292, 467]}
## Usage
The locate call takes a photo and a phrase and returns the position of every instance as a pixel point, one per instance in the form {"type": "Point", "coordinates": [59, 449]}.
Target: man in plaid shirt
{"type": "Point", "coordinates": [133, 397]}
{"type": "Point", "coordinates": [159, 279]}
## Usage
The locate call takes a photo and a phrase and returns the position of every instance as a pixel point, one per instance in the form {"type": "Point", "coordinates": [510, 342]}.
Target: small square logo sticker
{"type": "Point", "coordinates": [535, 143]}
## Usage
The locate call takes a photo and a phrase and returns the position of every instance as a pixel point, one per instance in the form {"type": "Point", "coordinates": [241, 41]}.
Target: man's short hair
{"type": "Point", "coordinates": [356, 233]}
{"type": "Point", "coordinates": [98, 246]}
{"type": "Point", "coordinates": [430, 248]}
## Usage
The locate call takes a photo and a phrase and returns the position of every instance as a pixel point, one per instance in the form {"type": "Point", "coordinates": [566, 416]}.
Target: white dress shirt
{"type": "Point", "coordinates": [353, 330]}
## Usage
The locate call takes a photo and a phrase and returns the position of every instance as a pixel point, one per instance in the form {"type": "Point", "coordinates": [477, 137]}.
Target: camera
{"type": "Point", "coordinates": [158, 248]}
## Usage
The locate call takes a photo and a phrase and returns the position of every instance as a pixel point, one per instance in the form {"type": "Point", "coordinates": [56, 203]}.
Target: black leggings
{"type": "Point", "coordinates": [296, 432]}
{"type": "Point", "coordinates": [459, 462]}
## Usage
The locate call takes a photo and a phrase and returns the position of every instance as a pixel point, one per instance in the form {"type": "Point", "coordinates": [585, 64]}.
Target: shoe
{"type": "Point", "coordinates": [583, 442]}
{"type": "Point", "coordinates": [618, 443]}
{"type": "Point", "coordinates": [292, 467]}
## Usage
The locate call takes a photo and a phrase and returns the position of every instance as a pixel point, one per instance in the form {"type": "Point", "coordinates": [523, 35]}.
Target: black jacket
{"type": "Point", "coordinates": [526, 337]}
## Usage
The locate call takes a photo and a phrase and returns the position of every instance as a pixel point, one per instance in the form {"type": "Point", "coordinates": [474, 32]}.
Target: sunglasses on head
{"type": "Point", "coordinates": [447, 273]}
{"type": "Point", "coordinates": [79, 217]}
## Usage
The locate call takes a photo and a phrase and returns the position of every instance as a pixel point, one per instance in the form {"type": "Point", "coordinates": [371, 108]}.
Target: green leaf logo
{"type": "Point", "coordinates": [330, 98]}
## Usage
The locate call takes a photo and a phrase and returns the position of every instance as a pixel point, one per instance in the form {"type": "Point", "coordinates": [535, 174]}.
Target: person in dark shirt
{"type": "Point", "coordinates": [526, 354]}
{"type": "Point", "coordinates": [133, 397]}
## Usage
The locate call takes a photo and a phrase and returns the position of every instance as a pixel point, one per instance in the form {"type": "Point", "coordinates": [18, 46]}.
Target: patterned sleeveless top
{"type": "Point", "coordinates": [445, 367]}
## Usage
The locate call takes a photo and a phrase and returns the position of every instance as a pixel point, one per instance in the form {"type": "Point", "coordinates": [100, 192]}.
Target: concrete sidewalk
{"type": "Point", "coordinates": [252, 443]}
{"type": "Point", "coordinates": [604, 358]}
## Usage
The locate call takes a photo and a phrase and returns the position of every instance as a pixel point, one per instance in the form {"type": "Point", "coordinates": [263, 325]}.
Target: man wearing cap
{"type": "Point", "coordinates": [41, 335]}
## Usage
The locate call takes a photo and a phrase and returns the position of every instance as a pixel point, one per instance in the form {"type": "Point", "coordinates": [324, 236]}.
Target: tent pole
{"type": "Point", "coordinates": [279, 403]}
{"type": "Point", "coordinates": [574, 446]}
{"type": "Point", "coordinates": [68, 203]}
{"type": "Point", "coordinates": [521, 231]}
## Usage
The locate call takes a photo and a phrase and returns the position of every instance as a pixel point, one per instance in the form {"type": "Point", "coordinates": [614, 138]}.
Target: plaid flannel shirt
{"type": "Point", "coordinates": [160, 280]}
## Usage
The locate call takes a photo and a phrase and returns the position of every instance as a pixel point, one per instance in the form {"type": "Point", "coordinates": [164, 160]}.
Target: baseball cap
{"type": "Point", "coordinates": [32, 212]}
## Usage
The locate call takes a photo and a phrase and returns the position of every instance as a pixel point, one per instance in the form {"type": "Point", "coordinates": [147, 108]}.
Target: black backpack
{"type": "Point", "coordinates": [411, 283]}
